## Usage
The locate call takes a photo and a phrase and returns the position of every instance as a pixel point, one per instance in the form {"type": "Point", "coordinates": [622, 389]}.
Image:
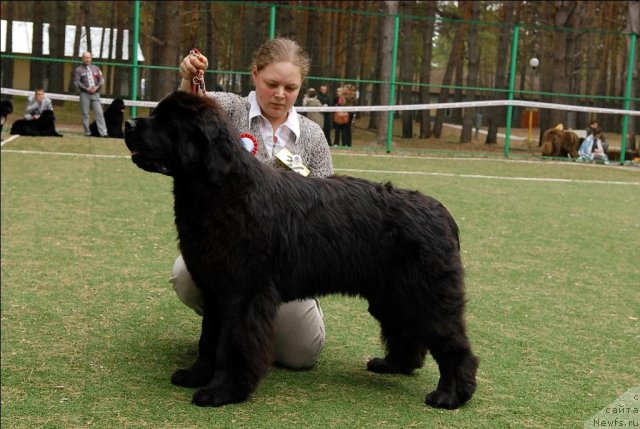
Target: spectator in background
{"type": "Point", "coordinates": [591, 148]}
{"type": "Point", "coordinates": [346, 97]}
{"type": "Point", "coordinates": [88, 79]}
{"type": "Point", "coordinates": [323, 96]}
{"type": "Point", "coordinates": [311, 100]}
{"type": "Point", "coordinates": [593, 125]}
{"type": "Point", "coordinates": [36, 104]}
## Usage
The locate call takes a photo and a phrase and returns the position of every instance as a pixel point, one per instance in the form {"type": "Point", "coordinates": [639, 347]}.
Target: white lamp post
{"type": "Point", "coordinates": [534, 63]}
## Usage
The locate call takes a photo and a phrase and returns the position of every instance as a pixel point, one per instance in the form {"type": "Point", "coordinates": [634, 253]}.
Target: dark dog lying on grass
{"type": "Point", "coordinates": [6, 108]}
{"type": "Point", "coordinates": [44, 126]}
{"type": "Point", "coordinates": [253, 237]}
{"type": "Point", "coordinates": [113, 119]}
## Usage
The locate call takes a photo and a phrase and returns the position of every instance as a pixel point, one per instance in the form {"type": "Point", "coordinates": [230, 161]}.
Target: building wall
{"type": "Point", "coordinates": [21, 74]}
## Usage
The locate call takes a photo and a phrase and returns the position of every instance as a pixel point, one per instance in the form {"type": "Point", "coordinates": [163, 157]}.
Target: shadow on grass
{"type": "Point", "coordinates": [154, 362]}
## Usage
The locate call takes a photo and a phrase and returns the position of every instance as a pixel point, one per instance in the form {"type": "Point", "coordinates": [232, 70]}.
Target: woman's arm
{"type": "Point", "coordinates": [191, 66]}
{"type": "Point", "coordinates": [31, 109]}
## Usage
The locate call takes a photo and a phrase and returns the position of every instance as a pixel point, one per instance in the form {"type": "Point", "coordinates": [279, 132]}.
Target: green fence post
{"type": "Point", "coordinates": [134, 74]}
{"type": "Point", "coordinates": [627, 96]}
{"type": "Point", "coordinates": [512, 84]}
{"type": "Point", "coordinates": [272, 22]}
{"type": "Point", "coordinates": [392, 82]}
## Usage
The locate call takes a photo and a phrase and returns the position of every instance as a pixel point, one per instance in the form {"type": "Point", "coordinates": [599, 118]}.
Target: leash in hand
{"type": "Point", "coordinates": [197, 83]}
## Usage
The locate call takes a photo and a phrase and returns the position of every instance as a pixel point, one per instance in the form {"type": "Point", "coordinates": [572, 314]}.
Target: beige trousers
{"type": "Point", "coordinates": [299, 325]}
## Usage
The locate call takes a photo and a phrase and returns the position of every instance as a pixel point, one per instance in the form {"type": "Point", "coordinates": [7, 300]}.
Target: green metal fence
{"type": "Point", "coordinates": [430, 52]}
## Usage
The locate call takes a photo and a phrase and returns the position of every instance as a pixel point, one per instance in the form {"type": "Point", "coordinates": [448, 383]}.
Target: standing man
{"type": "Point", "coordinates": [88, 79]}
{"type": "Point", "coordinates": [323, 96]}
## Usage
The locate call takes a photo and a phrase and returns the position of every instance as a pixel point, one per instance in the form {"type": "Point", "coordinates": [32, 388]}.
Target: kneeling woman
{"type": "Point", "coordinates": [269, 117]}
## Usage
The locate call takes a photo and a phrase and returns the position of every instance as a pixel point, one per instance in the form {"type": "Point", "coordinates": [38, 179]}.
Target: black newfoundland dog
{"type": "Point", "coordinates": [113, 118]}
{"type": "Point", "coordinates": [45, 125]}
{"type": "Point", "coordinates": [6, 108]}
{"type": "Point", "coordinates": [253, 237]}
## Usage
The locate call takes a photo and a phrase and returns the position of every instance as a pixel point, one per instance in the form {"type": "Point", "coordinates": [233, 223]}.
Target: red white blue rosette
{"type": "Point", "coordinates": [249, 142]}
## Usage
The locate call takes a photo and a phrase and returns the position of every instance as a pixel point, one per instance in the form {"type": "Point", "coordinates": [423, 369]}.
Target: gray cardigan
{"type": "Point", "coordinates": [312, 145]}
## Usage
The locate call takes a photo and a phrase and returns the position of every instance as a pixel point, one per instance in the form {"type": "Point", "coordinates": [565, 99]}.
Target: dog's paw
{"type": "Point", "coordinates": [380, 366]}
{"type": "Point", "coordinates": [447, 400]}
{"type": "Point", "coordinates": [209, 397]}
{"type": "Point", "coordinates": [187, 378]}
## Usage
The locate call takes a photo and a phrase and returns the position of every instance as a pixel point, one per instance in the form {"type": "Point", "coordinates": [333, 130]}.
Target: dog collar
{"type": "Point", "coordinates": [249, 142]}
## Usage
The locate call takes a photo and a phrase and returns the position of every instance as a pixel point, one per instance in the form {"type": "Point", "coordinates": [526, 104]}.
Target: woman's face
{"type": "Point", "coordinates": [277, 88]}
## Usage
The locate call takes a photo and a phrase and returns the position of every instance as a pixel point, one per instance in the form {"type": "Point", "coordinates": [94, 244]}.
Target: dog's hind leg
{"type": "Point", "coordinates": [245, 350]}
{"type": "Point", "coordinates": [404, 351]}
{"type": "Point", "coordinates": [403, 356]}
{"type": "Point", "coordinates": [457, 365]}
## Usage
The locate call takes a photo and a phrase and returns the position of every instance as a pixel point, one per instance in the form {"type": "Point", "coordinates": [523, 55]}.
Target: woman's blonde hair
{"type": "Point", "coordinates": [281, 50]}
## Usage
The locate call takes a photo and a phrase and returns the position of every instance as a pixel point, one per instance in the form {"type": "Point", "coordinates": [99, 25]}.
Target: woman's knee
{"type": "Point", "coordinates": [299, 334]}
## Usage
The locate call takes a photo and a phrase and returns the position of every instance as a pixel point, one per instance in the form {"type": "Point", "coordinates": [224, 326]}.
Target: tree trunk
{"type": "Point", "coordinates": [385, 71]}
{"type": "Point", "coordinates": [122, 22]}
{"type": "Point", "coordinates": [406, 70]}
{"type": "Point", "coordinates": [425, 77]}
{"type": "Point", "coordinates": [633, 26]}
{"type": "Point", "coordinates": [457, 49]}
{"type": "Point", "coordinates": [466, 136]}
{"type": "Point", "coordinates": [85, 13]}
{"type": "Point", "coordinates": [313, 45]}
{"type": "Point", "coordinates": [458, 75]}
{"type": "Point", "coordinates": [376, 95]}
{"type": "Point", "coordinates": [7, 63]}
{"type": "Point", "coordinates": [353, 47]}
{"type": "Point", "coordinates": [165, 53]}
{"type": "Point", "coordinates": [572, 65]}
{"type": "Point", "coordinates": [37, 77]}
{"type": "Point", "coordinates": [56, 43]}
{"type": "Point", "coordinates": [75, 50]}
{"type": "Point", "coordinates": [563, 13]}
{"type": "Point", "coordinates": [367, 60]}
{"type": "Point", "coordinates": [497, 115]}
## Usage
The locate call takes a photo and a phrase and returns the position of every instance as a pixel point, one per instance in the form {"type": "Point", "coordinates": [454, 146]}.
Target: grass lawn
{"type": "Point", "coordinates": [91, 329]}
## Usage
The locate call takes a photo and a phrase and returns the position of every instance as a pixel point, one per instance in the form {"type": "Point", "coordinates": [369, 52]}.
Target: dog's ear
{"type": "Point", "coordinates": [214, 144]}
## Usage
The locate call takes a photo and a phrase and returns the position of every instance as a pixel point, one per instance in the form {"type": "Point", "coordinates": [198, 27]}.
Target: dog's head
{"type": "Point", "coordinates": [117, 104]}
{"type": "Point", "coordinates": [6, 108]}
{"type": "Point", "coordinates": [186, 134]}
{"type": "Point", "coordinates": [47, 115]}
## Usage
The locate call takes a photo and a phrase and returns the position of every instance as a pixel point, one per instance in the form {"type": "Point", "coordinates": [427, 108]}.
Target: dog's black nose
{"type": "Point", "coordinates": [129, 125]}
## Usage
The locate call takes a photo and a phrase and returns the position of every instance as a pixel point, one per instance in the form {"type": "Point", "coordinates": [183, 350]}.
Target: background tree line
{"type": "Point", "coordinates": [447, 51]}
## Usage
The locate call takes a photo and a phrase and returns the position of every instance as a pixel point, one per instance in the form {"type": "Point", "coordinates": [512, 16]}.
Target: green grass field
{"type": "Point", "coordinates": [92, 330]}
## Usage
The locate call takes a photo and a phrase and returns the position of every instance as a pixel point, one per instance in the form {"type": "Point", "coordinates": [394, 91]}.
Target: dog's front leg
{"type": "Point", "coordinates": [245, 350]}
{"type": "Point", "coordinates": [202, 370]}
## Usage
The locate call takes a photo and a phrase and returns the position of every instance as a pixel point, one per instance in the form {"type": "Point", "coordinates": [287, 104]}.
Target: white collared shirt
{"type": "Point", "coordinates": [288, 132]}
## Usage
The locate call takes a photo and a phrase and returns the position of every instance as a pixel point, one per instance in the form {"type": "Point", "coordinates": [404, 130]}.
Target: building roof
{"type": "Point", "coordinates": [22, 32]}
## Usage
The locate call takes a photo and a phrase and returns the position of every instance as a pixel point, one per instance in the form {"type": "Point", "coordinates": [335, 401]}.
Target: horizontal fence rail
{"type": "Point", "coordinates": [403, 107]}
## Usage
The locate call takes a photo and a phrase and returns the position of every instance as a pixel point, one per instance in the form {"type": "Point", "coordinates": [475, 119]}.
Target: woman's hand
{"type": "Point", "coordinates": [193, 65]}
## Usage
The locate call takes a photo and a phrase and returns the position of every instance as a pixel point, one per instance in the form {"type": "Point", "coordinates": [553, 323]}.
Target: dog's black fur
{"type": "Point", "coordinates": [6, 108]}
{"type": "Point", "coordinates": [113, 118]}
{"type": "Point", "coordinates": [253, 237]}
{"type": "Point", "coordinates": [45, 125]}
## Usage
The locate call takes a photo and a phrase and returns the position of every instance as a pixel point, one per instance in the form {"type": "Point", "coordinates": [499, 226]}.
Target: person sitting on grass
{"type": "Point", "coordinates": [591, 148]}
{"type": "Point", "coordinates": [36, 104]}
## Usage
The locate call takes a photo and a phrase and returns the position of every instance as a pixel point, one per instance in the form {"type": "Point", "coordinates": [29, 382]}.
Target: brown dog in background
{"type": "Point", "coordinates": [560, 143]}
